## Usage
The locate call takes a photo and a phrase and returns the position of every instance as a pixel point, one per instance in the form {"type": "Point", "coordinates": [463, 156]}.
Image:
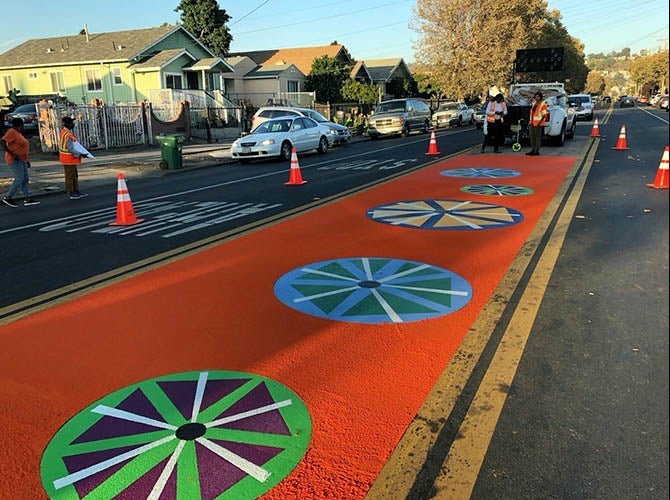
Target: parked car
{"type": "Point", "coordinates": [27, 112]}
{"type": "Point", "coordinates": [338, 134]}
{"type": "Point", "coordinates": [643, 99]}
{"type": "Point", "coordinates": [627, 102]}
{"type": "Point", "coordinates": [480, 116]}
{"type": "Point", "coordinates": [663, 102]}
{"type": "Point", "coordinates": [276, 138]}
{"type": "Point", "coordinates": [453, 113]}
{"type": "Point", "coordinates": [399, 116]}
{"type": "Point", "coordinates": [583, 105]}
{"type": "Point", "coordinates": [606, 99]}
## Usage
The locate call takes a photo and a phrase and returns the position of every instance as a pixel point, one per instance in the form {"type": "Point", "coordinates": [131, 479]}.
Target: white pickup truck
{"type": "Point", "coordinates": [562, 119]}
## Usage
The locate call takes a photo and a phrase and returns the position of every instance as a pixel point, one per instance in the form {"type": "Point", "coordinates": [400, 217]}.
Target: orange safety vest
{"type": "Point", "coordinates": [538, 118]}
{"type": "Point", "coordinates": [491, 118]}
{"type": "Point", "coordinates": [64, 156]}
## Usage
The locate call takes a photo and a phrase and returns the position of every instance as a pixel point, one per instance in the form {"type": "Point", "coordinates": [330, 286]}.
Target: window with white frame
{"type": "Point", "coordinates": [32, 75]}
{"type": "Point", "coordinates": [173, 81]}
{"type": "Point", "coordinates": [292, 86]}
{"type": "Point", "coordinates": [93, 80]}
{"type": "Point", "coordinates": [8, 84]}
{"type": "Point", "coordinates": [57, 82]}
{"type": "Point", "coordinates": [116, 76]}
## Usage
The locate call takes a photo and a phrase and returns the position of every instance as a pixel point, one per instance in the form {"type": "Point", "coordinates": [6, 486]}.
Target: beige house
{"type": "Point", "coordinates": [114, 67]}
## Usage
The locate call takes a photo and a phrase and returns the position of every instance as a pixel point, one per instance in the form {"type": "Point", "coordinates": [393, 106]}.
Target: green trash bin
{"type": "Point", "coordinates": [171, 147]}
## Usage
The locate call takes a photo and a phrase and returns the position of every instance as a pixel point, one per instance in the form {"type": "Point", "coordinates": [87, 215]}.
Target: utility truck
{"type": "Point", "coordinates": [562, 119]}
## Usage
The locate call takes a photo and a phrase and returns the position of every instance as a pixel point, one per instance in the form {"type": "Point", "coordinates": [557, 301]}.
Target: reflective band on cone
{"type": "Point", "coordinates": [621, 141]}
{"type": "Point", "coordinates": [661, 180]}
{"type": "Point", "coordinates": [432, 146]}
{"type": "Point", "coordinates": [594, 131]}
{"type": "Point", "coordinates": [125, 215]}
{"type": "Point", "coordinates": [294, 176]}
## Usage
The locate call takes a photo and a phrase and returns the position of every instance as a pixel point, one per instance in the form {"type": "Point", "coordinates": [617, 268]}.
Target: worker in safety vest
{"type": "Point", "coordinates": [495, 118]}
{"type": "Point", "coordinates": [538, 117]}
{"type": "Point", "coordinates": [69, 157]}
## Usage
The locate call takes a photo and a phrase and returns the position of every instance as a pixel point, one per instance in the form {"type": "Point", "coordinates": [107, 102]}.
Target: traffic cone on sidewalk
{"type": "Point", "coordinates": [621, 141]}
{"type": "Point", "coordinates": [594, 131]}
{"type": "Point", "coordinates": [294, 176]}
{"type": "Point", "coordinates": [125, 215]}
{"type": "Point", "coordinates": [661, 180]}
{"type": "Point", "coordinates": [432, 146]}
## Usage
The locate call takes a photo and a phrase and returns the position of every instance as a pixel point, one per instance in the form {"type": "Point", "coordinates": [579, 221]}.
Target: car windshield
{"type": "Point", "coordinates": [316, 116]}
{"type": "Point", "coordinates": [25, 108]}
{"type": "Point", "coordinates": [273, 126]}
{"type": "Point", "coordinates": [390, 107]}
{"type": "Point", "coordinates": [450, 106]}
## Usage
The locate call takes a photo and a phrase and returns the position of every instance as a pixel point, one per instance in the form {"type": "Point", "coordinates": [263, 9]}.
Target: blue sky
{"type": "Point", "coordinates": [370, 29]}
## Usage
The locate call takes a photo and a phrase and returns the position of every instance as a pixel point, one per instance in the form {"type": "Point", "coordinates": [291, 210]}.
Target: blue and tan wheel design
{"type": "Point", "coordinates": [481, 172]}
{"type": "Point", "coordinates": [496, 190]}
{"type": "Point", "coordinates": [373, 290]}
{"type": "Point", "coordinates": [211, 434]}
{"type": "Point", "coordinates": [461, 215]}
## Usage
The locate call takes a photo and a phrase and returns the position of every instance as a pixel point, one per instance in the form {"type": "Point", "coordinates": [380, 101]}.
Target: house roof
{"type": "Point", "coordinates": [160, 59]}
{"type": "Point", "coordinates": [95, 47]}
{"type": "Point", "coordinates": [383, 69]}
{"type": "Point", "coordinates": [301, 57]}
{"type": "Point", "coordinates": [270, 71]}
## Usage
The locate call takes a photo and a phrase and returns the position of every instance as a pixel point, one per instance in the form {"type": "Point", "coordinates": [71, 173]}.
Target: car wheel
{"type": "Point", "coordinates": [285, 151]}
{"type": "Point", "coordinates": [571, 133]}
{"type": "Point", "coordinates": [323, 146]}
{"type": "Point", "coordinates": [472, 120]}
{"type": "Point", "coordinates": [460, 121]}
{"type": "Point", "coordinates": [559, 140]}
{"type": "Point", "coordinates": [406, 130]}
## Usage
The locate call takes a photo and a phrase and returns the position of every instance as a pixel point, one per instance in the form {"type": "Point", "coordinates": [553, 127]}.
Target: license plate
{"type": "Point", "coordinates": [246, 150]}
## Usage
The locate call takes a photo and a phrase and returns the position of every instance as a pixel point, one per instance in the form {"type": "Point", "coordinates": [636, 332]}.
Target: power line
{"type": "Point", "coordinates": [249, 13]}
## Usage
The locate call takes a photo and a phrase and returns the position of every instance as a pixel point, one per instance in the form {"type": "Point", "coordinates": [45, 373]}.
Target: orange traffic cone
{"type": "Point", "coordinates": [621, 141]}
{"type": "Point", "coordinates": [125, 215]}
{"type": "Point", "coordinates": [594, 131]}
{"type": "Point", "coordinates": [294, 177]}
{"type": "Point", "coordinates": [661, 180]}
{"type": "Point", "coordinates": [432, 146]}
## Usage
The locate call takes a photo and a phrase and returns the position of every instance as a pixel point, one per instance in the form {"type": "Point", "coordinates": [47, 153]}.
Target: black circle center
{"type": "Point", "coordinates": [191, 431]}
{"type": "Point", "coordinates": [369, 284]}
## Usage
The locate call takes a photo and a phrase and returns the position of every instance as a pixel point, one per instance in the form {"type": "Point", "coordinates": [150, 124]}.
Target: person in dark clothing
{"type": "Point", "coordinates": [496, 111]}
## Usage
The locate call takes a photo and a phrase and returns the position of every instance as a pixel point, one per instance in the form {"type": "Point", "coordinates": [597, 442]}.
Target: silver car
{"type": "Point", "coordinates": [399, 116]}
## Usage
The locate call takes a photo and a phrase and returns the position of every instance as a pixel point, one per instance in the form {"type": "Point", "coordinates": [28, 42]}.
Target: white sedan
{"type": "Point", "coordinates": [277, 137]}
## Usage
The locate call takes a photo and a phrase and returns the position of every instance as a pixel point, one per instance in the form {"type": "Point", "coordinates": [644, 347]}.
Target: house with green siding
{"type": "Point", "coordinates": [114, 67]}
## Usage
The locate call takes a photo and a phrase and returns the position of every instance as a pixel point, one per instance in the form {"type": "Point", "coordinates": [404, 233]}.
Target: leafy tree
{"type": "Point", "coordinates": [471, 45]}
{"type": "Point", "coordinates": [207, 22]}
{"type": "Point", "coordinates": [355, 91]}
{"type": "Point", "coordinates": [326, 77]}
{"type": "Point", "coordinates": [650, 71]}
{"type": "Point", "coordinates": [595, 83]}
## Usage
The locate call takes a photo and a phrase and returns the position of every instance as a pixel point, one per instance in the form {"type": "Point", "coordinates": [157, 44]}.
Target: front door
{"type": "Point", "coordinates": [192, 80]}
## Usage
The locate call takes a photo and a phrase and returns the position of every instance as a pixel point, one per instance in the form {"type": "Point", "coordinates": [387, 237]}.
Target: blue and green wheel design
{"type": "Point", "coordinates": [373, 290]}
{"type": "Point", "coordinates": [497, 190]}
{"type": "Point", "coordinates": [195, 435]}
{"type": "Point", "coordinates": [481, 172]}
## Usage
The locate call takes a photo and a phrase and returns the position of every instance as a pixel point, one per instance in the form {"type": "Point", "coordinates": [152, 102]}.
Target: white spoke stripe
{"type": "Point", "coordinates": [331, 275]}
{"type": "Point", "coordinates": [250, 413]}
{"type": "Point", "coordinates": [385, 305]}
{"type": "Point", "coordinates": [199, 392]}
{"type": "Point", "coordinates": [326, 294]}
{"type": "Point", "coordinates": [132, 417]}
{"type": "Point", "coordinates": [404, 273]}
{"type": "Point", "coordinates": [165, 474]}
{"type": "Point", "coordinates": [243, 464]}
{"type": "Point", "coordinates": [432, 290]}
{"type": "Point", "coordinates": [94, 469]}
{"type": "Point", "coordinates": [366, 268]}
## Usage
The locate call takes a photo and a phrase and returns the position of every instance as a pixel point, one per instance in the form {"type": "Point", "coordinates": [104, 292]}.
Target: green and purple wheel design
{"type": "Point", "coordinates": [210, 435]}
{"type": "Point", "coordinates": [481, 172]}
{"type": "Point", "coordinates": [454, 215]}
{"type": "Point", "coordinates": [373, 290]}
{"type": "Point", "coordinates": [496, 190]}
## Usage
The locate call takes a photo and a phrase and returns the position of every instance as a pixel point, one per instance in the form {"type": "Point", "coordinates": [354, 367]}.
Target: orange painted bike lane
{"type": "Point", "coordinates": [361, 383]}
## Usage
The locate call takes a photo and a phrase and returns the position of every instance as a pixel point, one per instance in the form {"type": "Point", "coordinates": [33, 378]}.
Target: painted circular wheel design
{"type": "Point", "coordinates": [459, 215]}
{"type": "Point", "coordinates": [373, 290]}
{"type": "Point", "coordinates": [485, 172]}
{"type": "Point", "coordinates": [207, 435]}
{"type": "Point", "coordinates": [496, 190]}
